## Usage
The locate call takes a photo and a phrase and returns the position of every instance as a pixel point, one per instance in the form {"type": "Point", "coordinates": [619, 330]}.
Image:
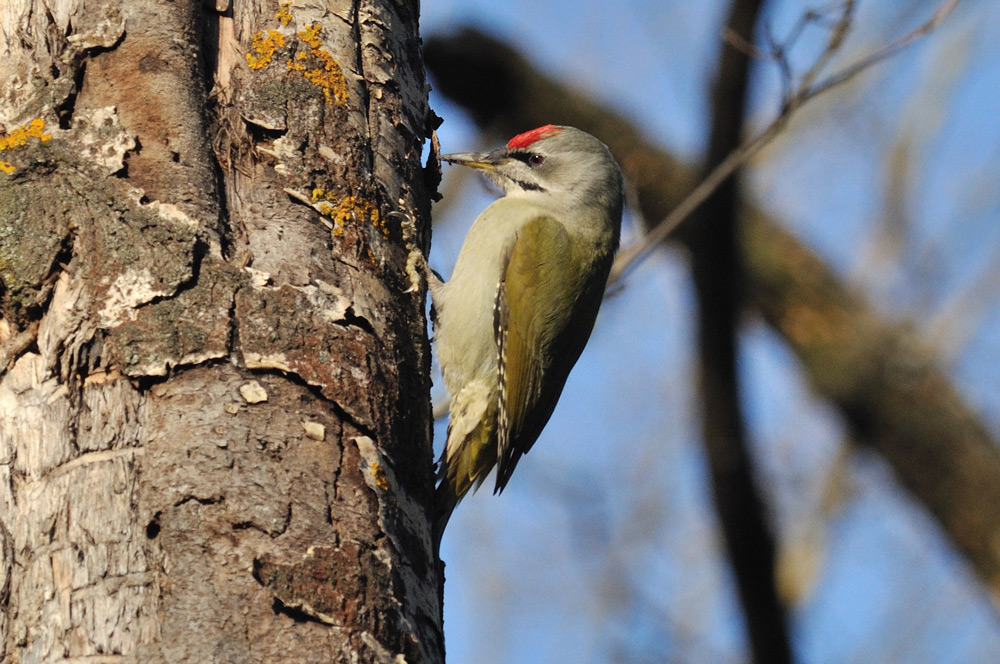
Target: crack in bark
{"type": "Point", "coordinates": [213, 63]}
{"type": "Point", "coordinates": [317, 391]}
{"type": "Point", "coordinates": [250, 524]}
{"type": "Point", "coordinates": [334, 484]}
{"type": "Point", "coordinates": [233, 343]}
{"type": "Point", "coordinates": [67, 108]}
{"type": "Point", "coordinates": [365, 101]}
{"type": "Point", "coordinates": [210, 500]}
{"type": "Point", "coordinates": [199, 251]}
{"type": "Point", "coordinates": [298, 615]}
{"type": "Point", "coordinates": [352, 319]}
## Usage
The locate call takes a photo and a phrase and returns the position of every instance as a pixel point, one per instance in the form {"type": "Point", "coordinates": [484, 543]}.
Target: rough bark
{"type": "Point", "coordinates": [885, 380]}
{"type": "Point", "coordinates": [214, 410]}
{"type": "Point", "coordinates": [718, 269]}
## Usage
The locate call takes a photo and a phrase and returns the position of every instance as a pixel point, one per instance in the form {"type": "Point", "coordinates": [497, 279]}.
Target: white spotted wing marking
{"type": "Point", "coordinates": [500, 319]}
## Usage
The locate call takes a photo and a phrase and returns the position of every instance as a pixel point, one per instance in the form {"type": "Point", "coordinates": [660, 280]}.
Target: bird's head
{"type": "Point", "coordinates": [560, 167]}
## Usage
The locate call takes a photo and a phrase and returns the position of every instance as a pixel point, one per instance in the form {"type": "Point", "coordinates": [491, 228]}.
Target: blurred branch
{"type": "Point", "coordinates": [718, 276]}
{"type": "Point", "coordinates": [885, 381]}
{"type": "Point", "coordinates": [806, 89]}
{"type": "Point", "coordinates": [888, 386]}
{"type": "Point", "coordinates": [960, 317]}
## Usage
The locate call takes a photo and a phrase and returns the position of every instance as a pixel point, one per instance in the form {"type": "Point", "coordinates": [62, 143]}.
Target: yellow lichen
{"type": "Point", "coordinates": [316, 64]}
{"type": "Point", "coordinates": [379, 222]}
{"type": "Point", "coordinates": [310, 35]}
{"type": "Point", "coordinates": [263, 47]}
{"type": "Point", "coordinates": [346, 209]}
{"type": "Point", "coordinates": [19, 138]}
{"type": "Point", "coordinates": [351, 208]}
{"type": "Point", "coordinates": [284, 14]}
{"type": "Point", "coordinates": [323, 72]}
{"type": "Point", "coordinates": [378, 473]}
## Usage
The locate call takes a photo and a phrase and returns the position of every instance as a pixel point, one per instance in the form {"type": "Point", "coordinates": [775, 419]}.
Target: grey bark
{"type": "Point", "coordinates": [214, 411]}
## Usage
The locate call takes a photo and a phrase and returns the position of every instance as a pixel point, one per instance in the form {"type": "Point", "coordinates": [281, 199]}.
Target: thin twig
{"type": "Point", "coordinates": [805, 91]}
{"type": "Point", "coordinates": [778, 53]}
{"type": "Point", "coordinates": [838, 33]}
{"type": "Point", "coordinates": [885, 52]}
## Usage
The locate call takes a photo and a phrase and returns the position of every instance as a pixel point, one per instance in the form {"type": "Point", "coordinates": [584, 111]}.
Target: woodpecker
{"type": "Point", "coordinates": [522, 300]}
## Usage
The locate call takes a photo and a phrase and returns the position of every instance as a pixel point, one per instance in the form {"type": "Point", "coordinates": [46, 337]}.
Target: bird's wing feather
{"type": "Point", "coordinates": [527, 321]}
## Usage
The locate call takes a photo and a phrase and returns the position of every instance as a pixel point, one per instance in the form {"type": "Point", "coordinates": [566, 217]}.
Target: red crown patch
{"type": "Point", "coordinates": [527, 138]}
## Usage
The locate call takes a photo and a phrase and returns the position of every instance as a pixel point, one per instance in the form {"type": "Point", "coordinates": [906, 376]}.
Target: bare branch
{"type": "Point", "coordinates": [838, 34]}
{"type": "Point", "coordinates": [883, 53]}
{"type": "Point", "coordinates": [804, 92]}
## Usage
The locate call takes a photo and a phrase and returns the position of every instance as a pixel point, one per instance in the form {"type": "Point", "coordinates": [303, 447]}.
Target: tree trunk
{"type": "Point", "coordinates": [214, 410]}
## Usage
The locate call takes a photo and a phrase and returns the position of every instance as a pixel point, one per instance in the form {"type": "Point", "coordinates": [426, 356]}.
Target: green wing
{"type": "Point", "coordinates": [534, 310]}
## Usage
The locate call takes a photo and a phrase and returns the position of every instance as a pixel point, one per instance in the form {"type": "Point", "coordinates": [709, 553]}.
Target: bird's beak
{"type": "Point", "coordinates": [481, 160]}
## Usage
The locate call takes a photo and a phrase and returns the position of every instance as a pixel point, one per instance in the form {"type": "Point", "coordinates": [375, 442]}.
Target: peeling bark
{"type": "Point", "coordinates": [214, 410]}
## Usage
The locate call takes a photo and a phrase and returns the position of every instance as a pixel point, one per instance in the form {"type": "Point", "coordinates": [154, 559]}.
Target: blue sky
{"type": "Point", "coordinates": [604, 547]}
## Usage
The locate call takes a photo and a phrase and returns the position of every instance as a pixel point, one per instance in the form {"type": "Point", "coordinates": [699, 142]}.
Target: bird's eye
{"type": "Point", "coordinates": [536, 159]}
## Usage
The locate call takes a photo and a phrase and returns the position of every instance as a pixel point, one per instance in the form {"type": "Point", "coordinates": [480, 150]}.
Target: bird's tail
{"type": "Point", "coordinates": [445, 500]}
